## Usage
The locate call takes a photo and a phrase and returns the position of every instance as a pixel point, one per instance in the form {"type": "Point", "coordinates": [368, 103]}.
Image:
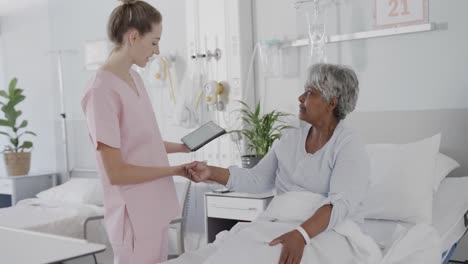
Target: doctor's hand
{"type": "Point", "coordinates": [293, 247]}
{"type": "Point", "coordinates": [201, 172]}
{"type": "Point", "coordinates": [183, 170]}
{"type": "Point", "coordinates": [184, 148]}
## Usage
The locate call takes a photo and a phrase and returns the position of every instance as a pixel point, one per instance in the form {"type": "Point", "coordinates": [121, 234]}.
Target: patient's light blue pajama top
{"type": "Point", "coordinates": [339, 170]}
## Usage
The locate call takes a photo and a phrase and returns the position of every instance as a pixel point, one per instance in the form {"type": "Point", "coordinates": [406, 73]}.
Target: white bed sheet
{"type": "Point", "coordinates": [54, 217]}
{"type": "Point", "coordinates": [450, 205]}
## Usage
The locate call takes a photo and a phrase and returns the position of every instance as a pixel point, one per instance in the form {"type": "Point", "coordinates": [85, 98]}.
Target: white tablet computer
{"type": "Point", "coordinates": [202, 135]}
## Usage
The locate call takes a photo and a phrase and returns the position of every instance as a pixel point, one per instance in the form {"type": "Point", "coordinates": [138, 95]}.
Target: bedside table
{"type": "Point", "coordinates": [16, 188]}
{"type": "Point", "coordinates": [224, 210]}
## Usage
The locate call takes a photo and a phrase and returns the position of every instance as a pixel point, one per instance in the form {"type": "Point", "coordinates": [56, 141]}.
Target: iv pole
{"type": "Point", "coordinates": [63, 114]}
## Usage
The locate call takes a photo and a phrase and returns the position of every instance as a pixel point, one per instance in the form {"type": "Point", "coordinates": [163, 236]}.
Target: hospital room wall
{"type": "Point", "coordinates": [25, 41]}
{"type": "Point", "coordinates": [27, 36]}
{"type": "Point", "coordinates": [3, 83]}
{"type": "Point", "coordinates": [416, 71]}
{"type": "Point", "coordinates": [2, 74]}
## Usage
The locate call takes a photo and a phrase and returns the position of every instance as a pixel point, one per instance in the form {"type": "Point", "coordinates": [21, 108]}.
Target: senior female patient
{"type": "Point", "coordinates": [323, 156]}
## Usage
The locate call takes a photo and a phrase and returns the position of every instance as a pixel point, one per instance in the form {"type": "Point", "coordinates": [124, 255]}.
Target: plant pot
{"type": "Point", "coordinates": [17, 163]}
{"type": "Point", "coordinates": [250, 161]}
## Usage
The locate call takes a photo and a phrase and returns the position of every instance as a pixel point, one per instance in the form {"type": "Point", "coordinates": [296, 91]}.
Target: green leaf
{"type": "Point", "coordinates": [14, 142]}
{"type": "Point", "coordinates": [4, 122]}
{"type": "Point", "coordinates": [26, 145]}
{"type": "Point", "coordinates": [4, 94]}
{"type": "Point", "coordinates": [257, 109]}
{"type": "Point", "coordinates": [26, 132]}
{"type": "Point", "coordinates": [260, 131]}
{"type": "Point", "coordinates": [10, 114]}
{"type": "Point", "coordinates": [17, 99]}
{"type": "Point", "coordinates": [23, 124]}
{"type": "Point", "coordinates": [30, 133]}
{"type": "Point", "coordinates": [6, 134]}
{"type": "Point", "coordinates": [12, 86]}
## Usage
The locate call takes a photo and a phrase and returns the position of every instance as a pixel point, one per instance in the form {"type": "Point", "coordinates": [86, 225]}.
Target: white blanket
{"type": "Point", "coordinates": [418, 244]}
{"type": "Point", "coordinates": [248, 242]}
{"type": "Point", "coordinates": [52, 217]}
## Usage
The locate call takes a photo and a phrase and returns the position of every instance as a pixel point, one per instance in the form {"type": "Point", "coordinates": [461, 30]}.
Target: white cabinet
{"type": "Point", "coordinates": [16, 188]}
{"type": "Point", "coordinates": [223, 211]}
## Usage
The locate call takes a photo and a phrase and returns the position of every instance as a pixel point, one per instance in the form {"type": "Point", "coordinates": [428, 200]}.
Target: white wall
{"type": "Point", "coordinates": [2, 77]}
{"type": "Point", "coordinates": [404, 72]}
{"type": "Point", "coordinates": [3, 84]}
{"type": "Point", "coordinates": [25, 41]}
{"type": "Point", "coordinates": [27, 35]}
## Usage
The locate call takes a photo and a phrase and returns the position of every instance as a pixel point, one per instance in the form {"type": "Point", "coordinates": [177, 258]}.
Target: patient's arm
{"type": "Point", "coordinates": [318, 222]}
{"type": "Point", "coordinates": [261, 178]}
{"type": "Point", "coordinates": [315, 225]}
{"type": "Point", "coordinates": [258, 179]}
{"type": "Point", "coordinates": [348, 182]}
{"type": "Point", "coordinates": [121, 173]}
{"type": "Point", "coordinates": [293, 243]}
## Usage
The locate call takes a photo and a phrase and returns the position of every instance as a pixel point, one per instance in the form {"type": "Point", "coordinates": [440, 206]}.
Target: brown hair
{"type": "Point", "coordinates": [132, 14]}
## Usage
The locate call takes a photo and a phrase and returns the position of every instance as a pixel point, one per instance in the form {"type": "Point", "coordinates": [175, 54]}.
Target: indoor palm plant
{"type": "Point", "coordinates": [16, 154]}
{"type": "Point", "coordinates": [260, 131]}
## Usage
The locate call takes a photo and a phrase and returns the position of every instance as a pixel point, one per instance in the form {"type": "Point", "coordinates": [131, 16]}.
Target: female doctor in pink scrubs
{"type": "Point", "coordinates": [139, 194]}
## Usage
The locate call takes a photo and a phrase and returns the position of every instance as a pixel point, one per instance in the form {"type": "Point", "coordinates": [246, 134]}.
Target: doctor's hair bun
{"type": "Point", "coordinates": [131, 14]}
{"type": "Point", "coordinates": [128, 2]}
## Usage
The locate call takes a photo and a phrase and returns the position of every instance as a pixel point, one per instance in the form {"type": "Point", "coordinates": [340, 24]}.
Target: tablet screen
{"type": "Point", "coordinates": [203, 135]}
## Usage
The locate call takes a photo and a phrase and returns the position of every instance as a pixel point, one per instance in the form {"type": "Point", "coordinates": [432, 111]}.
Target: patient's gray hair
{"type": "Point", "coordinates": [335, 81]}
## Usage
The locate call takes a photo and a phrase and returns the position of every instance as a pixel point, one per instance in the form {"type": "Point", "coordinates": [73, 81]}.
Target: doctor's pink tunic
{"type": "Point", "coordinates": [137, 216]}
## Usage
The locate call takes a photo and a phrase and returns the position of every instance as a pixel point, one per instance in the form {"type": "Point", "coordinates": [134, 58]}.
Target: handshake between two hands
{"type": "Point", "coordinates": [197, 171]}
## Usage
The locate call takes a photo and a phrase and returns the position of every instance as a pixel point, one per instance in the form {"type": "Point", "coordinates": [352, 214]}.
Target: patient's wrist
{"type": "Point", "coordinates": [304, 234]}
{"type": "Point", "coordinates": [219, 175]}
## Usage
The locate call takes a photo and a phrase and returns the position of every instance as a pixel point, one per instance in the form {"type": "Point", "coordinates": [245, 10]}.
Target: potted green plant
{"type": "Point", "coordinates": [17, 158]}
{"type": "Point", "coordinates": [260, 132]}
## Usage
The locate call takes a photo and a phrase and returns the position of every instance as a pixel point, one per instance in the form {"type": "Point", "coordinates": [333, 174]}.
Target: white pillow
{"type": "Point", "coordinates": [401, 181]}
{"type": "Point", "coordinates": [444, 165]}
{"type": "Point", "coordinates": [76, 190]}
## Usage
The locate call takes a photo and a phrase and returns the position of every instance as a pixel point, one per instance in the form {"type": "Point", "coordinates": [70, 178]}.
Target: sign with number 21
{"type": "Point", "coordinates": [392, 13]}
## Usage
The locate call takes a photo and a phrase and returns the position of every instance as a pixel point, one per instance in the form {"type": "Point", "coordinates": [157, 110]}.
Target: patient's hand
{"type": "Point", "coordinates": [200, 172]}
{"type": "Point", "coordinates": [183, 170]}
{"type": "Point", "coordinates": [293, 247]}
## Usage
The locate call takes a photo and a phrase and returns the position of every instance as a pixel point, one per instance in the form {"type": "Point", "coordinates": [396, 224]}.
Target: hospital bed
{"type": "Point", "coordinates": [450, 208]}
{"type": "Point", "coordinates": [379, 126]}
{"type": "Point", "coordinates": [60, 210]}
{"type": "Point", "coordinates": [72, 210]}
{"type": "Point", "coordinates": [450, 212]}
{"type": "Point", "coordinates": [42, 248]}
